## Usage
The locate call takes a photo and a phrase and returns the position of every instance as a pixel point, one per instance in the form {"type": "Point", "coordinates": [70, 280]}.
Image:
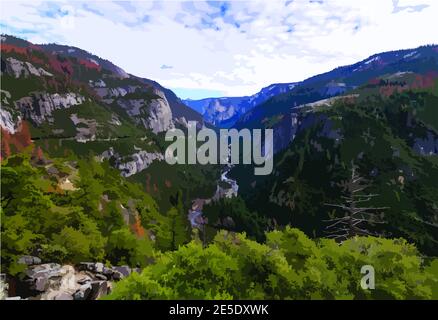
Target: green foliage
{"type": "Point", "coordinates": [376, 133]}
{"type": "Point", "coordinates": [125, 249]}
{"type": "Point", "coordinates": [87, 223]}
{"type": "Point", "coordinates": [288, 266]}
{"type": "Point", "coordinates": [220, 212]}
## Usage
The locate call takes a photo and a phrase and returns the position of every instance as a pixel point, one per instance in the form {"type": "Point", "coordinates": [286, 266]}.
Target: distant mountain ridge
{"type": "Point", "coordinates": [225, 111]}
{"type": "Point", "coordinates": [419, 61]}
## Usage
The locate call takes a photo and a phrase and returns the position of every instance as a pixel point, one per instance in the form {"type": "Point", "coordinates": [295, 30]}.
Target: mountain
{"type": "Point", "coordinates": [224, 112]}
{"type": "Point", "coordinates": [383, 123]}
{"type": "Point", "coordinates": [67, 101]}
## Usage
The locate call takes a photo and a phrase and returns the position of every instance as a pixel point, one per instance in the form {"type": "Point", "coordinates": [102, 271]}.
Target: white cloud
{"type": "Point", "coordinates": [237, 50]}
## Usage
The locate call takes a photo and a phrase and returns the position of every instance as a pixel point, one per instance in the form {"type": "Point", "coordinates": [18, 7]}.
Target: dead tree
{"type": "Point", "coordinates": [356, 217]}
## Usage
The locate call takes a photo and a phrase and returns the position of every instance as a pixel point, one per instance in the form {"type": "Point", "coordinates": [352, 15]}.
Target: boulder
{"type": "Point", "coordinates": [98, 289]}
{"type": "Point", "coordinates": [84, 279]}
{"type": "Point", "coordinates": [107, 272]}
{"type": "Point", "coordinates": [86, 266]}
{"type": "Point", "coordinates": [100, 276]}
{"type": "Point", "coordinates": [83, 292]}
{"type": "Point", "coordinates": [124, 270]}
{"type": "Point", "coordinates": [29, 260]}
{"type": "Point", "coordinates": [98, 267]}
{"type": "Point", "coordinates": [63, 296]}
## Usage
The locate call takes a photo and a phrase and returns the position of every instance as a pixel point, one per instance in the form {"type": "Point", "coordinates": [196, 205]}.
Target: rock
{"type": "Point", "coordinates": [7, 121]}
{"type": "Point", "coordinates": [40, 106]}
{"type": "Point", "coordinates": [83, 292]}
{"type": "Point", "coordinates": [18, 69]}
{"type": "Point", "coordinates": [98, 267]}
{"type": "Point", "coordinates": [87, 266]}
{"type": "Point", "coordinates": [63, 296]}
{"type": "Point", "coordinates": [84, 279]}
{"type": "Point", "coordinates": [41, 284]}
{"type": "Point", "coordinates": [44, 270]}
{"type": "Point", "coordinates": [117, 276]}
{"type": "Point", "coordinates": [100, 277]}
{"type": "Point", "coordinates": [98, 289]}
{"type": "Point", "coordinates": [124, 270]}
{"type": "Point", "coordinates": [29, 260]}
{"type": "Point", "coordinates": [160, 114]}
{"type": "Point", "coordinates": [108, 271]}
{"type": "Point", "coordinates": [140, 161]}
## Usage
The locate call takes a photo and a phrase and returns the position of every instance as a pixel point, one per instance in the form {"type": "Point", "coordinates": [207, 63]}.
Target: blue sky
{"type": "Point", "coordinates": [216, 48]}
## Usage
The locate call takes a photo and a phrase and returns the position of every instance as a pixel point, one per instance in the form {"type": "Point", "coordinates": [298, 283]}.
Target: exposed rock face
{"type": "Point", "coordinates": [160, 114]}
{"type": "Point", "coordinates": [19, 69]}
{"type": "Point", "coordinates": [154, 114]}
{"type": "Point", "coordinates": [134, 163]}
{"type": "Point", "coordinates": [140, 161]}
{"type": "Point", "coordinates": [7, 122]}
{"type": "Point", "coordinates": [40, 106]}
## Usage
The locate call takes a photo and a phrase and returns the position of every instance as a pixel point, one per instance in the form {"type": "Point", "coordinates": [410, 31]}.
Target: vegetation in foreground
{"type": "Point", "coordinates": [288, 266]}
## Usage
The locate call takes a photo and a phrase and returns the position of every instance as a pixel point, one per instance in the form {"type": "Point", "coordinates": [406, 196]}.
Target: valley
{"type": "Point", "coordinates": [87, 193]}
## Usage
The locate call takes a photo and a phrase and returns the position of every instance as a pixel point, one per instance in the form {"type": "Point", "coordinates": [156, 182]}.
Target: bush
{"type": "Point", "coordinates": [288, 266]}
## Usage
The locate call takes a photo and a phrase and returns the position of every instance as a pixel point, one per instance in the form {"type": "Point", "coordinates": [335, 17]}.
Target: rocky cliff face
{"type": "Point", "coordinates": [24, 69]}
{"type": "Point", "coordinates": [159, 117]}
{"type": "Point", "coordinates": [39, 106]}
{"type": "Point", "coordinates": [133, 163]}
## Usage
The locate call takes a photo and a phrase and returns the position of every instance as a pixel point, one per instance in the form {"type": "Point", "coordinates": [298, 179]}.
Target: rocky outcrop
{"type": "Point", "coordinates": [159, 114]}
{"type": "Point", "coordinates": [52, 281]}
{"type": "Point", "coordinates": [7, 121]}
{"type": "Point", "coordinates": [39, 107]}
{"type": "Point", "coordinates": [18, 69]}
{"type": "Point", "coordinates": [133, 163]}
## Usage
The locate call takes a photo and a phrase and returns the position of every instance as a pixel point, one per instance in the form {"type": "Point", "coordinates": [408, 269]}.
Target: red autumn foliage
{"type": "Point", "coordinates": [89, 64]}
{"type": "Point", "coordinates": [10, 48]}
{"type": "Point", "coordinates": [390, 89]}
{"type": "Point", "coordinates": [64, 67]}
{"type": "Point", "coordinates": [20, 140]}
{"type": "Point", "coordinates": [36, 60]}
{"type": "Point", "coordinates": [137, 228]}
{"type": "Point", "coordinates": [424, 81]}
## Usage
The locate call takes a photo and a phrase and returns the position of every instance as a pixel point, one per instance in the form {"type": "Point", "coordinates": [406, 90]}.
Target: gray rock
{"type": "Point", "coordinates": [63, 296]}
{"type": "Point", "coordinates": [83, 292]}
{"type": "Point", "coordinates": [98, 289]}
{"type": "Point", "coordinates": [29, 260]}
{"type": "Point", "coordinates": [41, 283]}
{"type": "Point", "coordinates": [44, 270]}
{"type": "Point", "coordinates": [84, 280]}
{"type": "Point", "coordinates": [117, 276]}
{"type": "Point", "coordinates": [86, 266]}
{"type": "Point", "coordinates": [100, 277]}
{"type": "Point", "coordinates": [107, 271]}
{"type": "Point", "coordinates": [124, 270]}
{"type": "Point", "coordinates": [98, 267]}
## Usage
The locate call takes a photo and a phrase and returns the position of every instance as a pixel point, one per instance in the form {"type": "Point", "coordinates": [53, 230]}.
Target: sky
{"type": "Point", "coordinates": [205, 49]}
